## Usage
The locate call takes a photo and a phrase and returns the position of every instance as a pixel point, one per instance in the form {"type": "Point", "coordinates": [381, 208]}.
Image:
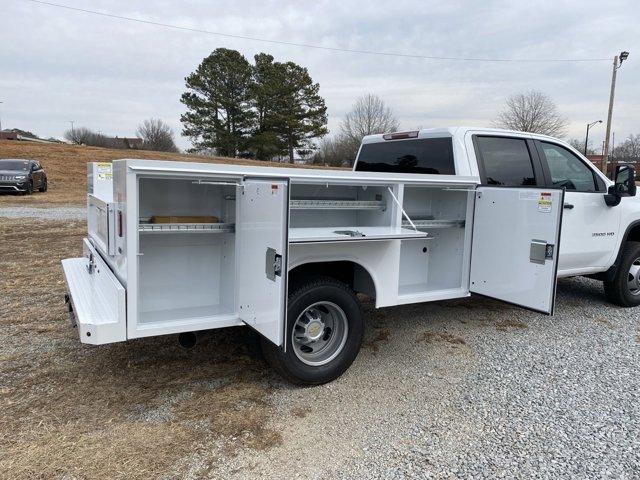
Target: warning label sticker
{"type": "Point", "coordinates": [103, 169]}
{"type": "Point", "coordinates": [545, 202]}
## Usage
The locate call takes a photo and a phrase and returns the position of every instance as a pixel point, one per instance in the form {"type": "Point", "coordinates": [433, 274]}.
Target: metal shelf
{"type": "Point", "coordinates": [434, 223]}
{"type": "Point", "coordinates": [186, 227]}
{"type": "Point", "coordinates": [337, 205]}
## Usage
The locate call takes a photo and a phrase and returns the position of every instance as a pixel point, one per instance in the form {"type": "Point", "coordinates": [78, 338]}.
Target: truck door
{"type": "Point", "coordinates": [262, 230]}
{"type": "Point", "coordinates": [590, 227]}
{"type": "Point", "coordinates": [514, 252]}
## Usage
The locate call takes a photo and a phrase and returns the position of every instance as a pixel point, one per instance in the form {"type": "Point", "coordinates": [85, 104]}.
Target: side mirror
{"type": "Point", "coordinates": [625, 181]}
{"type": "Point", "coordinates": [624, 185]}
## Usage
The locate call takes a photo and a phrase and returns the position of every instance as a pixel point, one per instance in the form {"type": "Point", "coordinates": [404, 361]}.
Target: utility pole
{"type": "Point", "coordinates": [621, 58]}
{"type": "Point", "coordinates": [1, 120]}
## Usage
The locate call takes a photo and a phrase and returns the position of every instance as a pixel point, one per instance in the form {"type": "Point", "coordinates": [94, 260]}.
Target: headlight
{"type": "Point", "coordinates": [20, 177]}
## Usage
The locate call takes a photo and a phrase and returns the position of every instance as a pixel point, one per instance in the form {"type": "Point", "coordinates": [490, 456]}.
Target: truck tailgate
{"type": "Point", "coordinates": [97, 298]}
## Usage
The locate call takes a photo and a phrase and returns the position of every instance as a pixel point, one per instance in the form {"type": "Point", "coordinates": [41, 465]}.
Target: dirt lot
{"type": "Point", "coordinates": [66, 167]}
{"type": "Point", "coordinates": [127, 411]}
{"type": "Point", "coordinates": [461, 389]}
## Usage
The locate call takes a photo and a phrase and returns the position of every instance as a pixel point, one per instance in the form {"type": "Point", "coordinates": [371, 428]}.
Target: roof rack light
{"type": "Point", "coordinates": [399, 135]}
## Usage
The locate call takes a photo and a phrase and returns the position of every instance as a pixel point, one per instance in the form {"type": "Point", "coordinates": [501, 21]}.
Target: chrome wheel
{"type": "Point", "coordinates": [633, 278]}
{"type": "Point", "coordinates": [320, 333]}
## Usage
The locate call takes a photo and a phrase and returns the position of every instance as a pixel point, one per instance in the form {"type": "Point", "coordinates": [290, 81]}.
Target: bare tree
{"type": "Point", "coordinates": [80, 136]}
{"type": "Point", "coordinates": [334, 152]}
{"type": "Point", "coordinates": [533, 112]}
{"type": "Point", "coordinates": [157, 135]}
{"type": "Point", "coordinates": [629, 150]}
{"type": "Point", "coordinates": [368, 115]}
{"type": "Point", "coordinates": [579, 145]}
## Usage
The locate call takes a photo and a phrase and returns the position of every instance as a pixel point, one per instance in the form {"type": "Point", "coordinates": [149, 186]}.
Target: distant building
{"type": "Point", "coordinates": [8, 135]}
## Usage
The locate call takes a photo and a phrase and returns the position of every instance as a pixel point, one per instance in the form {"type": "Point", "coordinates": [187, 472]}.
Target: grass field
{"type": "Point", "coordinates": [66, 167]}
{"type": "Point", "coordinates": [131, 410]}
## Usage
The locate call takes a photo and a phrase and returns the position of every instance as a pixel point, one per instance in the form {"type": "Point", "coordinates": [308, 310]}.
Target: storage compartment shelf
{"type": "Point", "coordinates": [186, 227]}
{"type": "Point", "coordinates": [337, 204]}
{"type": "Point", "coordinates": [351, 234]}
{"type": "Point", "coordinates": [434, 223]}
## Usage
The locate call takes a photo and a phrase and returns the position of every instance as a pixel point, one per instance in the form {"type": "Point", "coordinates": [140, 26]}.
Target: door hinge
{"type": "Point", "coordinates": [91, 264]}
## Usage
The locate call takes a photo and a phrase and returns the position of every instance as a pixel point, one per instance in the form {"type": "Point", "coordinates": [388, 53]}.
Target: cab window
{"type": "Point", "coordinates": [428, 155]}
{"type": "Point", "coordinates": [505, 161]}
{"type": "Point", "coordinates": [567, 170]}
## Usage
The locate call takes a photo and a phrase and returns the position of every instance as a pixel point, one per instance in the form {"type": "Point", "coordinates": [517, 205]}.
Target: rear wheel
{"type": "Point", "coordinates": [324, 333]}
{"type": "Point", "coordinates": [624, 289]}
{"type": "Point", "coordinates": [44, 186]}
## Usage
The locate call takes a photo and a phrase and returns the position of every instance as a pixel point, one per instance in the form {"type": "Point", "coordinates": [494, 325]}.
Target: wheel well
{"type": "Point", "coordinates": [351, 273]}
{"type": "Point", "coordinates": [634, 234]}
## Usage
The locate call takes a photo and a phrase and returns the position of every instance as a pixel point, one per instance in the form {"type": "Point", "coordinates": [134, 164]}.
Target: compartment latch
{"type": "Point", "coordinates": [540, 251]}
{"type": "Point", "coordinates": [273, 264]}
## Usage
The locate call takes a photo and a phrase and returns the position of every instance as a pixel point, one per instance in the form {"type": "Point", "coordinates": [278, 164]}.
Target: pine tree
{"type": "Point", "coordinates": [300, 113]}
{"type": "Point", "coordinates": [265, 90]}
{"type": "Point", "coordinates": [218, 114]}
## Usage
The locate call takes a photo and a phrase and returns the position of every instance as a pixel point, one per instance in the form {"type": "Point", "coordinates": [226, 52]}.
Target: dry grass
{"type": "Point", "coordinates": [66, 167]}
{"type": "Point", "coordinates": [131, 410]}
{"type": "Point", "coordinates": [511, 324]}
{"type": "Point", "coordinates": [446, 337]}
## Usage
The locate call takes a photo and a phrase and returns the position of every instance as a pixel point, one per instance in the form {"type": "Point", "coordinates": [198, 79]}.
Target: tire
{"type": "Point", "coordinates": [29, 189]}
{"type": "Point", "coordinates": [318, 307]}
{"type": "Point", "coordinates": [624, 289]}
{"type": "Point", "coordinates": [44, 186]}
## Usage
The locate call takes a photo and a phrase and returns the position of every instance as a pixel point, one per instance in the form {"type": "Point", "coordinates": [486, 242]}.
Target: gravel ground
{"type": "Point", "coordinates": [471, 388]}
{"type": "Point", "coordinates": [489, 391]}
{"type": "Point", "coordinates": [45, 213]}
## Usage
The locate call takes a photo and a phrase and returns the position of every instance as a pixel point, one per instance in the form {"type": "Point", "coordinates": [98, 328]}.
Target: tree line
{"type": "Point", "coordinates": [153, 132]}
{"type": "Point", "coordinates": [270, 110]}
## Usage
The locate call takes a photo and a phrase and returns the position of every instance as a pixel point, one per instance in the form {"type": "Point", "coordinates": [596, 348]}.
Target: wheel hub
{"type": "Point", "coordinates": [314, 330]}
{"type": "Point", "coordinates": [633, 278]}
{"type": "Point", "coordinates": [319, 333]}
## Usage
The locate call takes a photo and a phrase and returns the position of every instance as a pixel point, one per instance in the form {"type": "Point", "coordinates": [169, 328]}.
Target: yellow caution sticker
{"type": "Point", "coordinates": [544, 202]}
{"type": "Point", "coordinates": [104, 171]}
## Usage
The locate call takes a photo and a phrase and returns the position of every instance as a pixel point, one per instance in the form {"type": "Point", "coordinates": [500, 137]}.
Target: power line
{"type": "Point", "coordinates": [317, 47]}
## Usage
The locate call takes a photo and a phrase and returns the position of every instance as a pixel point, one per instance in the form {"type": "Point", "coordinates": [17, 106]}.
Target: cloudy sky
{"type": "Point", "coordinates": [108, 74]}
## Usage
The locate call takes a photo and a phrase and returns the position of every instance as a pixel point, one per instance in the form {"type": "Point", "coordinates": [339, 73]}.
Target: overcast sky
{"type": "Point", "coordinates": [58, 65]}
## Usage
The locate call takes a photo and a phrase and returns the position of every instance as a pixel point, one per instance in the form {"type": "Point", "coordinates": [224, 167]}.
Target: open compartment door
{"type": "Point", "coordinates": [515, 246]}
{"type": "Point", "coordinates": [262, 229]}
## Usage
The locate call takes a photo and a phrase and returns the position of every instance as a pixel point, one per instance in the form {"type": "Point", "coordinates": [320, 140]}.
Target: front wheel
{"type": "Point", "coordinates": [624, 289]}
{"type": "Point", "coordinates": [43, 187]}
{"type": "Point", "coordinates": [324, 333]}
{"type": "Point", "coordinates": [29, 189]}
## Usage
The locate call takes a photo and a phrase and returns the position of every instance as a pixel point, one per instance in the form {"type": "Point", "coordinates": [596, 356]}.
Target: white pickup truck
{"type": "Point", "coordinates": [428, 215]}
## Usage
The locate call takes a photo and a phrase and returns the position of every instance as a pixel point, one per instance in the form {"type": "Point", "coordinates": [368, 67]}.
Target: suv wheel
{"type": "Point", "coordinates": [43, 187]}
{"type": "Point", "coordinates": [29, 189]}
{"type": "Point", "coordinates": [624, 289]}
{"type": "Point", "coordinates": [324, 333]}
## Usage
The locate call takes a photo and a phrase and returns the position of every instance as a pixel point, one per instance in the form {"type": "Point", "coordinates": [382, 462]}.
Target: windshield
{"type": "Point", "coordinates": [425, 155]}
{"type": "Point", "coordinates": [20, 165]}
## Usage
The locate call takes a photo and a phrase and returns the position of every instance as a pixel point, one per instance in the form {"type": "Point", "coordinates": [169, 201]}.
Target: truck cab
{"type": "Point", "coordinates": [599, 223]}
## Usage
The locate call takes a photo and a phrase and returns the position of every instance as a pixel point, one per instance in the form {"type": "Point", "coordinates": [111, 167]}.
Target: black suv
{"type": "Point", "coordinates": [18, 175]}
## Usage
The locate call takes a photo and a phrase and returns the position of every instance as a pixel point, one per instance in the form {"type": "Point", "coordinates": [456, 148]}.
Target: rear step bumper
{"type": "Point", "coordinates": [96, 300]}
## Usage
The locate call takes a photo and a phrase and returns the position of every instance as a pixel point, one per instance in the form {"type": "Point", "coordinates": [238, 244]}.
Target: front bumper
{"type": "Point", "coordinates": [13, 186]}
